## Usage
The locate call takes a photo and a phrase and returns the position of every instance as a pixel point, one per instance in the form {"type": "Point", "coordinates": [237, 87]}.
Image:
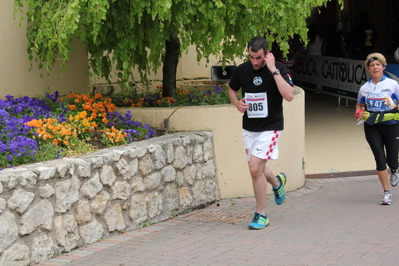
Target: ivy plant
{"type": "Point", "coordinates": [144, 34]}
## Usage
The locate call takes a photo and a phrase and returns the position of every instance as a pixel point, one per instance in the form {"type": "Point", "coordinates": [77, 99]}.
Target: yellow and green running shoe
{"type": "Point", "coordinates": [259, 221]}
{"type": "Point", "coordinates": [279, 192]}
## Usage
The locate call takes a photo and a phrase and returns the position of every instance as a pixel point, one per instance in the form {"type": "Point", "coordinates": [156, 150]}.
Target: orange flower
{"type": "Point", "coordinates": [87, 107]}
{"type": "Point", "coordinates": [72, 107]}
{"type": "Point", "coordinates": [83, 114]}
{"type": "Point", "coordinates": [65, 132]}
{"type": "Point", "coordinates": [105, 120]}
{"type": "Point", "coordinates": [34, 123]}
{"type": "Point", "coordinates": [46, 136]}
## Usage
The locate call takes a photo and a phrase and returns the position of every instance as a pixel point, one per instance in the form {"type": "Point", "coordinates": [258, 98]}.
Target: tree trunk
{"type": "Point", "coordinates": [170, 66]}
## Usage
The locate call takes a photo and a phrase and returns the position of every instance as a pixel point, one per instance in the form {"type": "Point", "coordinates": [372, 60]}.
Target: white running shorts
{"type": "Point", "coordinates": [263, 145]}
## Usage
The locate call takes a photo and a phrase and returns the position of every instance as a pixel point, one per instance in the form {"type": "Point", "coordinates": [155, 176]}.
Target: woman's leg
{"type": "Point", "coordinates": [376, 142]}
{"type": "Point", "coordinates": [391, 134]}
{"type": "Point", "coordinates": [383, 176]}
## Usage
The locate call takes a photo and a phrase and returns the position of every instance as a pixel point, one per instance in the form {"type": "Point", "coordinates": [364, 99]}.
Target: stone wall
{"type": "Point", "coordinates": [56, 206]}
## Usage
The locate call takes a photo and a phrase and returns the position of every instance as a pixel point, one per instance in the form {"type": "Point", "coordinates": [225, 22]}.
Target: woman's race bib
{"type": "Point", "coordinates": [257, 105]}
{"type": "Point", "coordinates": [376, 102]}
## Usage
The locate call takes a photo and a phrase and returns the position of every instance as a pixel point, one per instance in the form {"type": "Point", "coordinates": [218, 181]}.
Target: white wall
{"type": "Point", "coordinates": [15, 78]}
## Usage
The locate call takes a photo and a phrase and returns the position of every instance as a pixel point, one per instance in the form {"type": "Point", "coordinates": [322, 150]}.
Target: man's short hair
{"type": "Point", "coordinates": [257, 43]}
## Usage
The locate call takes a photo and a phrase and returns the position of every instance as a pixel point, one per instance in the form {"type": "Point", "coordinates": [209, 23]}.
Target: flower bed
{"type": "Point", "coordinates": [35, 129]}
{"type": "Point", "coordinates": [52, 127]}
{"type": "Point", "coordinates": [193, 96]}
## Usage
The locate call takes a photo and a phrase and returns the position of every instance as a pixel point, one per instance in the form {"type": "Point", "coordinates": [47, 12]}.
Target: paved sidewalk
{"type": "Point", "coordinates": [334, 221]}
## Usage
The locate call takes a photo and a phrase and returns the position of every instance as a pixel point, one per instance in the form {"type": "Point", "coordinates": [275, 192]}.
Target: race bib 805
{"type": "Point", "coordinates": [257, 105]}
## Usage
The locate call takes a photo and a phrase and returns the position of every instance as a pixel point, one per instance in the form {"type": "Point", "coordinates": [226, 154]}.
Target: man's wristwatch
{"type": "Point", "coordinates": [277, 72]}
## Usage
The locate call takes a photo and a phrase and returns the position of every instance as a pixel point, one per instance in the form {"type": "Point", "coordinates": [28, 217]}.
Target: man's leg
{"type": "Point", "coordinates": [259, 183]}
{"type": "Point", "coordinates": [278, 183]}
{"type": "Point", "coordinates": [261, 175]}
{"type": "Point", "coordinates": [257, 168]}
{"type": "Point", "coordinates": [271, 178]}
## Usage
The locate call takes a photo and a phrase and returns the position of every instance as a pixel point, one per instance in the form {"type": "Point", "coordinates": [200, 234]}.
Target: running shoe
{"type": "Point", "coordinates": [387, 199]}
{"type": "Point", "coordinates": [394, 178]}
{"type": "Point", "coordinates": [279, 193]}
{"type": "Point", "coordinates": [259, 221]}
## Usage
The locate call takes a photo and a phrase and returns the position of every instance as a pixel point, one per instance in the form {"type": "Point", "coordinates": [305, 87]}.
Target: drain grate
{"type": "Point", "coordinates": [341, 174]}
{"type": "Point", "coordinates": [221, 217]}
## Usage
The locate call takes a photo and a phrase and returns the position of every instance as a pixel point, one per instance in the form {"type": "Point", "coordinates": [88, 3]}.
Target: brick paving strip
{"type": "Point", "coordinates": [220, 211]}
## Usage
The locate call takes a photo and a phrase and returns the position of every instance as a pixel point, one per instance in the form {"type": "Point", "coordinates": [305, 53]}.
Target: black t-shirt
{"type": "Point", "coordinates": [261, 80]}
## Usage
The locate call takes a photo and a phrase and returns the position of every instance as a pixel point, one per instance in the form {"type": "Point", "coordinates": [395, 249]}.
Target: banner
{"type": "Point", "coordinates": [334, 75]}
